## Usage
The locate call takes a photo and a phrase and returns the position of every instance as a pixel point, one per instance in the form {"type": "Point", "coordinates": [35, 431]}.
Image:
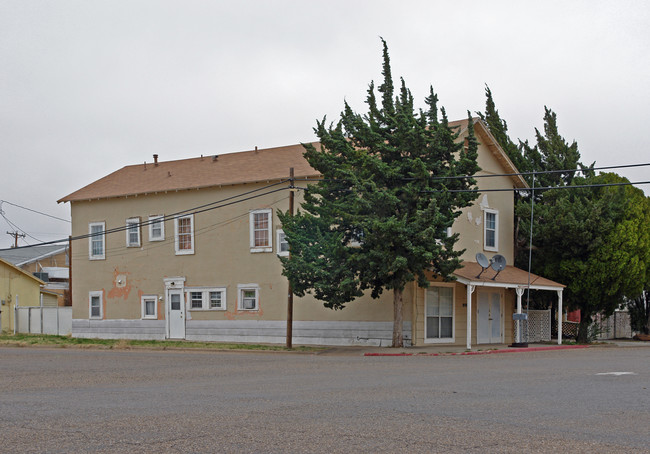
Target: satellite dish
{"type": "Point", "coordinates": [482, 260]}
{"type": "Point", "coordinates": [498, 264]}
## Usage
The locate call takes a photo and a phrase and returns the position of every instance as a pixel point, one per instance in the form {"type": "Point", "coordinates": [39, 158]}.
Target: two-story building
{"type": "Point", "coordinates": [188, 249]}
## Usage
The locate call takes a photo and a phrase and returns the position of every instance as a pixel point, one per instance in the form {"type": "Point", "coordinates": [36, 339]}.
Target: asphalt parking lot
{"type": "Point", "coordinates": [76, 400]}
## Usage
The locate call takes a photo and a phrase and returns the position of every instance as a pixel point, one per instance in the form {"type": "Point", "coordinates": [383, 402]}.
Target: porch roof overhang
{"type": "Point", "coordinates": [510, 277]}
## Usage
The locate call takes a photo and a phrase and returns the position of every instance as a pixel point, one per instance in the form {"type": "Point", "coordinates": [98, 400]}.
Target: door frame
{"type": "Point", "coordinates": [174, 284]}
{"type": "Point", "coordinates": [490, 291]}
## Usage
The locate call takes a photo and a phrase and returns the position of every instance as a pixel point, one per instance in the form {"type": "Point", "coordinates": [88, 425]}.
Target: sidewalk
{"type": "Point", "coordinates": [457, 350]}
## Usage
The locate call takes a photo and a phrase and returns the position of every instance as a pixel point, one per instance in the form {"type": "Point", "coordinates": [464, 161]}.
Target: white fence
{"type": "Point", "coordinates": [538, 326]}
{"type": "Point", "coordinates": [44, 320]}
{"type": "Point", "coordinates": [616, 326]}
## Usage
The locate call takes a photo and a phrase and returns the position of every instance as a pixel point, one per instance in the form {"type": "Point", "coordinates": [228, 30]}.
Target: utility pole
{"type": "Point", "coordinates": [292, 190]}
{"type": "Point", "coordinates": [69, 271]}
{"type": "Point", "coordinates": [16, 235]}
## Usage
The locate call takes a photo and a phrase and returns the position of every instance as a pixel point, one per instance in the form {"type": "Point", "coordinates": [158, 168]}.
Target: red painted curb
{"type": "Point", "coordinates": [485, 352]}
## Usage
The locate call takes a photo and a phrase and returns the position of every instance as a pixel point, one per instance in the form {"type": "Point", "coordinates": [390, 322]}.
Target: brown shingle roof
{"type": "Point", "coordinates": [232, 168]}
{"type": "Point", "coordinates": [510, 276]}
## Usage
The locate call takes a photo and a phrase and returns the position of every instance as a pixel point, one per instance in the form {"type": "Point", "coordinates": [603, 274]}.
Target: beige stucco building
{"type": "Point", "coordinates": [188, 249]}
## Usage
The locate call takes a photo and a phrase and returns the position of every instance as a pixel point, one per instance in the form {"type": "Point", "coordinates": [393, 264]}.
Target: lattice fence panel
{"type": "Point", "coordinates": [539, 326]}
{"type": "Point", "coordinates": [570, 330]}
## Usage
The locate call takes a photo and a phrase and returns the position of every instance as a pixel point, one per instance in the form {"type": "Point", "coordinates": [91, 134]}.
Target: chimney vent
{"type": "Point", "coordinates": [215, 157]}
{"type": "Point", "coordinates": [155, 160]}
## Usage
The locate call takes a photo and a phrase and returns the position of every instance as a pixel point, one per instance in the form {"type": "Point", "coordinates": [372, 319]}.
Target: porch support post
{"type": "Point", "coordinates": [470, 290]}
{"type": "Point", "coordinates": [519, 340]}
{"type": "Point", "coordinates": [520, 292]}
{"type": "Point", "coordinates": [560, 315]}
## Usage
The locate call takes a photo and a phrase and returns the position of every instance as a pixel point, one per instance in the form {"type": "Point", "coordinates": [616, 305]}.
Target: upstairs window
{"type": "Point", "coordinates": [184, 235]}
{"type": "Point", "coordinates": [96, 241]}
{"type": "Point", "coordinates": [260, 231]}
{"type": "Point", "coordinates": [491, 230]}
{"type": "Point", "coordinates": [156, 228]}
{"type": "Point", "coordinates": [283, 244]}
{"type": "Point", "coordinates": [133, 232]}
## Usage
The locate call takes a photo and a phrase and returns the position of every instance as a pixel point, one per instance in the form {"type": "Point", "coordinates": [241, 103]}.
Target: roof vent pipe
{"type": "Point", "coordinates": [155, 160]}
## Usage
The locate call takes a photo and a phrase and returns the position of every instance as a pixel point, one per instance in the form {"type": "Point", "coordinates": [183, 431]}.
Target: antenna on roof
{"type": "Point", "coordinates": [498, 264]}
{"type": "Point", "coordinates": [482, 260]}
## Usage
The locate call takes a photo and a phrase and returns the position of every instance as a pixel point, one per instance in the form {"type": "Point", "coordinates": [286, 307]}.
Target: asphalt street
{"type": "Point", "coordinates": [76, 400]}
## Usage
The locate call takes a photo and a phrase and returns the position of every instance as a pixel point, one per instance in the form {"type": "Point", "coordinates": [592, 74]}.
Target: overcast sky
{"type": "Point", "coordinates": [87, 87]}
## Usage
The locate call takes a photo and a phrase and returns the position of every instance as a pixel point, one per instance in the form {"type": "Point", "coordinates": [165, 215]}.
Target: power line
{"type": "Point", "coordinates": [492, 175]}
{"type": "Point", "coordinates": [120, 250]}
{"type": "Point", "coordinates": [35, 211]}
{"type": "Point", "coordinates": [24, 233]}
{"type": "Point", "coordinates": [540, 172]}
{"type": "Point", "coordinates": [194, 210]}
{"type": "Point", "coordinates": [539, 188]}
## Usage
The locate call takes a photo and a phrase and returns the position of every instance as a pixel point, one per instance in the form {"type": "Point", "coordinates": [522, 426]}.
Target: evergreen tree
{"type": "Point", "coordinates": [593, 240]}
{"type": "Point", "coordinates": [378, 218]}
{"type": "Point", "coordinates": [552, 152]}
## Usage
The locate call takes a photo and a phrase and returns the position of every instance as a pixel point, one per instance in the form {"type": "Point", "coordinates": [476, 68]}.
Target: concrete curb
{"type": "Point", "coordinates": [485, 352]}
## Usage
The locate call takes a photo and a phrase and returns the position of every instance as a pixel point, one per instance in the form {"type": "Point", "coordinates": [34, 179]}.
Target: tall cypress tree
{"type": "Point", "coordinates": [499, 129]}
{"type": "Point", "coordinates": [384, 191]}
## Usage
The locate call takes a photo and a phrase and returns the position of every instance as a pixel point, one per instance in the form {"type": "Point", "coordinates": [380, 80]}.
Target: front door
{"type": "Point", "coordinates": [490, 318]}
{"type": "Point", "coordinates": [175, 314]}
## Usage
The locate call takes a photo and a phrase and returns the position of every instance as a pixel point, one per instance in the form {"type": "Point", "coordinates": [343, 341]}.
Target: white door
{"type": "Point", "coordinates": [489, 318]}
{"type": "Point", "coordinates": [175, 314]}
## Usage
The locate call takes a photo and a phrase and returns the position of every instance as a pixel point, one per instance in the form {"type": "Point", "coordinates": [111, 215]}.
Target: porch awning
{"type": "Point", "coordinates": [510, 277]}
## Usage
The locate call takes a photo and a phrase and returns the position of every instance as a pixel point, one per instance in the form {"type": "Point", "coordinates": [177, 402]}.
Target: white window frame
{"type": "Point", "coordinates": [143, 301]}
{"type": "Point", "coordinates": [280, 240]}
{"type": "Point", "coordinates": [268, 247]}
{"type": "Point", "coordinates": [441, 340]}
{"type": "Point", "coordinates": [130, 222]}
{"type": "Point", "coordinates": [205, 298]}
{"type": "Point", "coordinates": [241, 288]}
{"type": "Point", "coordinates": [487, 247]}
{"type": "Point", "coordinates": [92, 295]}
{"type": "Point", "coordinates": [159, 218]}
{"type": "Point", "coordinates": [92, 238]}
{"type": "Point", "coordinates": [176, 235]}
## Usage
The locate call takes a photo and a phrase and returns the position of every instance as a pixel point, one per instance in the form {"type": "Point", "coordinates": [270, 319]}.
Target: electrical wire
{"type": "Point", "coordinates": [492, 175]}
{"type": "Point", "coordinates": [194, 210]}
{"type": "Point", "coordinates": [543, 188]}
{"type": "Point", "coordinates": [120, 250]}
{"type": "Point", "coordinates": [35, 211]}
{"type": "Point", "coordinates": [18, 228]}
